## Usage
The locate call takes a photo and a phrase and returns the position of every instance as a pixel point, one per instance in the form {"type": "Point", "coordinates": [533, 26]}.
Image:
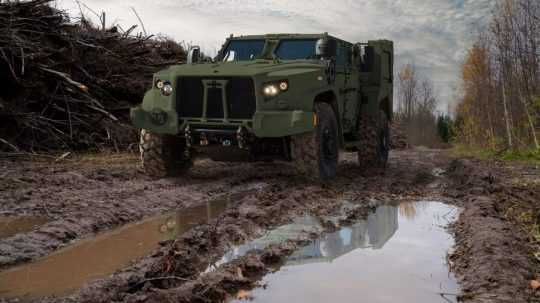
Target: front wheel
{"type": "Point", "coordinates": [315, 154]}
{"type": "Point", "coordinates": [161, 155]}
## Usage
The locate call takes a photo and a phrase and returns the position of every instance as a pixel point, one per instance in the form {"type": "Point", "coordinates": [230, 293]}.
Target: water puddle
{"type": "Point", "coordinates": [398, 254]}
{"type": "Point", "coordinates": [281, 234]}
{"type": "Point", "coordinates": [301, 225]}
{"type": "Point", "coordinates": [14, 225]}
{"type": "Point", "coordinates": [68, 269]}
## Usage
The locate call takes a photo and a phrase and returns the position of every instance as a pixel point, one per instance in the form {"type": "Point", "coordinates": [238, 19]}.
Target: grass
{"type": "Point", "coordinates": [522, 155]}
{"type": "Point", "coordinates": [530, 156]}
{"type": "Point", "coordinates": [532, 229]}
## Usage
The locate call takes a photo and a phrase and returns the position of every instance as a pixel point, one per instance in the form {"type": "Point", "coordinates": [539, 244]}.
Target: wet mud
{"type": "Point", "coordinates": [16, 225]}
{"type": "Point", "coordinates": [98, 257]}
{"type": "Point", "coordinates": [493, 258]}
{"type": "Point", "coordinates": [271, 215]}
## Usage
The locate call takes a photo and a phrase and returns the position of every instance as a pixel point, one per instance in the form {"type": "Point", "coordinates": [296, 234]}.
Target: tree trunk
{"type": "Point", "coordinates": [506, 118]}
{"type": "Point", "coordinates": [531, 122]}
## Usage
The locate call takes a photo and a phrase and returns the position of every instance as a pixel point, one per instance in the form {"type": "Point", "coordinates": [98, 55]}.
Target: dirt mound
{"type": "Point", "coordinates": [398, 138]}
{"type": "Point", "coordinates": [489, 258]}
{"type": "Point", "coordinates": [70, 85]}
{"type": "Point", "coordinates": [492, 259]}
{"type": "Point", "coordinates": [467, 178]}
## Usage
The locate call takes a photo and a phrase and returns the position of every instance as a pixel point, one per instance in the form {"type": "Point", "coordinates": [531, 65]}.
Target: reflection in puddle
{"type": "Point", "coordinates": [275, 236]}
{"type": "Point", "coordinates": [410, 210]}
{"type": "Point", "coordinates": [11, 226]}
{"type": "Point", "coordinates": [87, 260]}
{"type": "Point", "coordinates": [374, 232]}
{"type": "Point", "coordinates": [396, 255]}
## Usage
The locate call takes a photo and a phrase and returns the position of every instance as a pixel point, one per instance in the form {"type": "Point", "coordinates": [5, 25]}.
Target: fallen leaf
{"type": "Point", "coordinates": [83, 87]}
{"type": "Point", "coordinates": [534, 284]}
{"type": "Point", "coordinates": [239, 272]}
{"type": "Point", "coordinates": [242, 294]}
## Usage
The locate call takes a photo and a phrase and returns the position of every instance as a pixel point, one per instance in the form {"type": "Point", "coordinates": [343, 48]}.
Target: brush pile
{"type": "Point", "coordinates": [69, 85]}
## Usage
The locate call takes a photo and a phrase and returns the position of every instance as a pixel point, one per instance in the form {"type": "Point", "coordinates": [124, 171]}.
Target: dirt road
{"type": "Point", "coordinates": [119, 236]}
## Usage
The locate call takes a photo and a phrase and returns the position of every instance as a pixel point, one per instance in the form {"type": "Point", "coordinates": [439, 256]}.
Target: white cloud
{"type": "Point", "coordinates": [433, 34]}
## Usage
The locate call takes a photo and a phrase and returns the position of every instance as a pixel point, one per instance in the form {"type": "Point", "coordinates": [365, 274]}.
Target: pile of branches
{"type": "Point", "coordinates": [69, 85]}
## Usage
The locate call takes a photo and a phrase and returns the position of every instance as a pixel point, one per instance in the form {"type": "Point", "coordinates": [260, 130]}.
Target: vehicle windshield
{"type": "Point", "coordinates": [241, 50]}
{"type": "Point", "coordinates": [295, 49]}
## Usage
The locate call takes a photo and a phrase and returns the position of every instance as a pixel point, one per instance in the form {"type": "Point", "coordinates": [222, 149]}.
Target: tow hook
{"type": "Point", "coordinates": [187, 134]}
{"type": "Point", "coordinates": [203, 139]}
{"type": "Point", "coordinates": [241, 138]}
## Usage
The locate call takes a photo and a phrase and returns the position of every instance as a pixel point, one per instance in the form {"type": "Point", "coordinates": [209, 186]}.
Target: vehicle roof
{"type": "Point", "coordinates": [284, 36]}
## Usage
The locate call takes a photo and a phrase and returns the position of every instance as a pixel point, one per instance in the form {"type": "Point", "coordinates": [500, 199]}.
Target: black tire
{"type": "Point", "coordinates": [383, 140]}
{"type": "Point", "coordinates": [316, 154]}
{"type": "Point", "coordinates": [374, 135]}
{"type": "Point", "coordinates": [161, 155]}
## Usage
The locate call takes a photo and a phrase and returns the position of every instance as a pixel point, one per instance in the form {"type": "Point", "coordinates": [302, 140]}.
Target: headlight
{"type": "Point", "coordinates": [270, 90]}
{"type": "Point", "coordinates": [274, 88]}
{"type": "Point", "coordinates": [159, 84]}
{"type": "Point", "coordinates": [167, 89]}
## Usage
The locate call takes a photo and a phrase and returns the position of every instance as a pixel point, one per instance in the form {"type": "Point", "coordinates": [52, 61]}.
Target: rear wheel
{"type": "Point", "coordinates": [316, 153]}
{"type": "Point", "coordinates": [161, 155]}
{"type": "Point", "coordinates": [374, 134]}
{"type": "Point", "coordinates": [383, 140]}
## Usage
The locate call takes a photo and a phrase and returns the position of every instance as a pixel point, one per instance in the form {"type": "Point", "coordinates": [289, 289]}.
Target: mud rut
{"type": "Point", "coordinates": [83, 199]}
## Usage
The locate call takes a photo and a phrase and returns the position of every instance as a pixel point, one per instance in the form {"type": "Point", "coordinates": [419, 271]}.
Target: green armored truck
{"type": "Point", "coordinates": [302, 98]}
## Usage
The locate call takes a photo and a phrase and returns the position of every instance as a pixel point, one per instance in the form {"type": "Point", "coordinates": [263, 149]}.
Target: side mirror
{"type": "Point", "coordinates": [326, 48]}
{"type": "Point", "coordinates": [194, 55]}
{"type": "Point", "coordinates": [356, 55]}
{"type": "Point", "coordinates": [363, 54]}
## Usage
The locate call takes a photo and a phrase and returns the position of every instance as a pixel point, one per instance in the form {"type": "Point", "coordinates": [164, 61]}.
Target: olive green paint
{"type": "Point", "coordinates": [290, 112]}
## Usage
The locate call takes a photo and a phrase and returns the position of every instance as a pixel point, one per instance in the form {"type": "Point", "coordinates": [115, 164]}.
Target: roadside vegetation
{"type": "Point", "coordinates": [530, 156]}
{"type": "Point", "coordinates": [498, 115]}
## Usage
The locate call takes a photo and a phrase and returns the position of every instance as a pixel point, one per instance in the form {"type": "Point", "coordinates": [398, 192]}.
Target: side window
{"type": "Point", "coordinates": [390, 67]}
{"type": "Point", "coordinates": [342, 56]}
{"type": "Point", "coordinates": [369, 59]}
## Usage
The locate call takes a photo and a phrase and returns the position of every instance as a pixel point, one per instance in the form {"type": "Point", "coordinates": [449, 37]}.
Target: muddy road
{"type": "Point", "coordinates": [429, 229]}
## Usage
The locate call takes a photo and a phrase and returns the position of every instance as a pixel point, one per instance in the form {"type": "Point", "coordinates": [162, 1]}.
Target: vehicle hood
{"type": "Point", "coordinates": [269, 68]}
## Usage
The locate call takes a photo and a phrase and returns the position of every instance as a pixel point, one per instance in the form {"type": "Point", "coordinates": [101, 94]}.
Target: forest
{"type": "Point", "coordinates": [416, 109]}
{"type": "Point", "coordinates": [499, 104]}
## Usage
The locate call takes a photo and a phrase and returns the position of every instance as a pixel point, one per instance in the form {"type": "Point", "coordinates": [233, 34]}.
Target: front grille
{"type": "Point", "coordinates": [189, 97]}
{"type": "Point", "coordinates": [239, 93]}
{"type": "Point", "coordinates": [214, 108]}
{"type": "Point", "coordinates": [241, 98]}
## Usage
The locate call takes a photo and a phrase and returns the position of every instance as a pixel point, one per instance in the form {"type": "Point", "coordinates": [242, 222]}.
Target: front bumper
{"type": "Point", "coordinates": [143, 120]}
{"type": "Point", "coordinates": [274, 124]}
{"type": "Point", "coordinates": [265, 124]}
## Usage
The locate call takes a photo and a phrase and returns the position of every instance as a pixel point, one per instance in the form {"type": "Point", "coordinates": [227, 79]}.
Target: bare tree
{"type": "Point", "coordinates": [417, 102]}
{"type": "Point", "coordinates": [501, 78]}
{"type": "Point", "coordinates": [408, 91]}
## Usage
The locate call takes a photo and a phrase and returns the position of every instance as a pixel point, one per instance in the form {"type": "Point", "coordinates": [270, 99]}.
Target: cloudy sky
{"type": "Point", "coordinates": [431, 33]}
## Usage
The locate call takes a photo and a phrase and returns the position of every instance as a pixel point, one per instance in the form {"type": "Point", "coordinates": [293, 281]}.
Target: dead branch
{"type": "Point", "coordinates": [70, 85]}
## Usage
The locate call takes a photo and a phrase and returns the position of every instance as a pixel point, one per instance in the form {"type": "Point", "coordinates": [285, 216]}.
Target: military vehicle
{"type": "Point", "coordinates": [302, 98]}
